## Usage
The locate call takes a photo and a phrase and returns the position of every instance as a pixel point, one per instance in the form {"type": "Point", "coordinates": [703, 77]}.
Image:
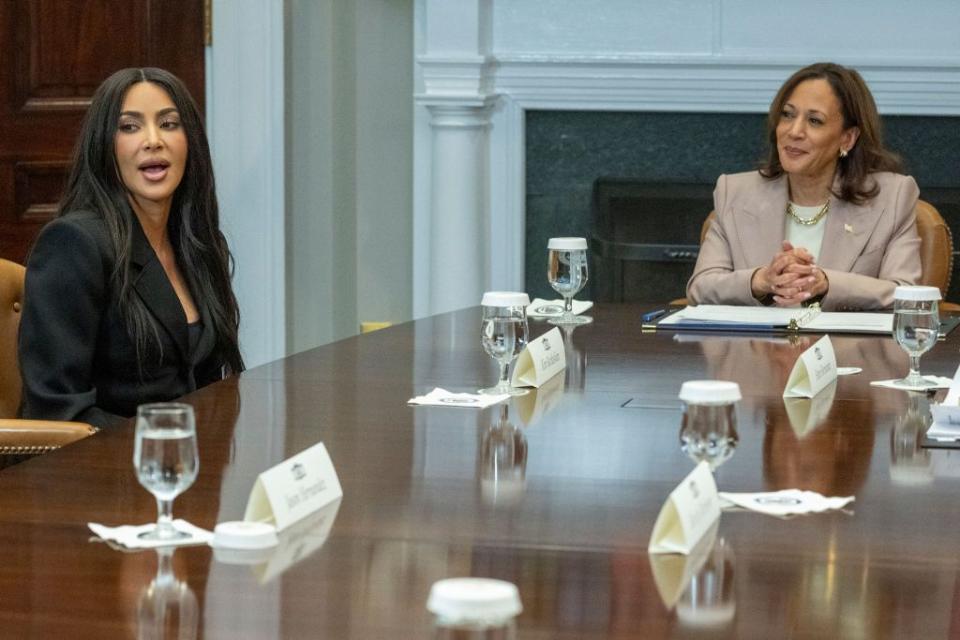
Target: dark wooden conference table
{"type": "Point", "coordinates": [558, 496]}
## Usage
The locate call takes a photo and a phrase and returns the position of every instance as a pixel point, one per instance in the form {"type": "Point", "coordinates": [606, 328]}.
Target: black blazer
{"type": "Point", "coordinates": [76, 358]}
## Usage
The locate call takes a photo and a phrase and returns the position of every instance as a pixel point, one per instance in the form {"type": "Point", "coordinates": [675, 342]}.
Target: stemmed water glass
{"type": "Point", "coordinates": [708, 431]}
{"type": "Point", "coordinates": [504, 334]}
{"type": "Point", "coordinates": [567, 274]}
{"type": "Point", "coordinates": [165, 459]}
{"type": "Point", "coordinates": [916, 327]}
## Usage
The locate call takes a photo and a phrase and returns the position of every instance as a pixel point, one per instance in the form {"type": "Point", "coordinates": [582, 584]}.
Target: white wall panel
{"type": "Point", "coordinates": [613, 27]}
{"type": "Point", "coordinates": [856, 31]}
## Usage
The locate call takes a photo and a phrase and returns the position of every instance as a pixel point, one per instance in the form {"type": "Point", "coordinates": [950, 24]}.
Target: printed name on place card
{"type": "Point", "coordinates": [294, 489]}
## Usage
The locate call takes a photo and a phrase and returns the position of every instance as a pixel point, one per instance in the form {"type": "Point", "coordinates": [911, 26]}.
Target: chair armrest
{"type": "Point", "coordinates": [31, 437]}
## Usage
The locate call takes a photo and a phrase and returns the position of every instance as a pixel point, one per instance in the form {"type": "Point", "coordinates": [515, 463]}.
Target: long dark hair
{"type": "Point", "coordinates": [859, 110]}
{"type": "Point", "coordinates": [194, 224]}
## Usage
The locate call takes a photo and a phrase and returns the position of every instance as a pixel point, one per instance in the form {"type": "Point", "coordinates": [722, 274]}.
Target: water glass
{"type": "Point", "coordinates": [504, 334]}
{"type": "Point", "coordinates": [165, 459]}
{"type": "Point", "coordinates": [709, 428]}
{"type": "Point", "coordinates": [567, 274]}
{"type": "Point", "coordinates": [916, 327]}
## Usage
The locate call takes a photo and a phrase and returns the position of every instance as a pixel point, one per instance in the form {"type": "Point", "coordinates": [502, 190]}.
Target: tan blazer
{"type": "Point", "coordinates": [867, 249]}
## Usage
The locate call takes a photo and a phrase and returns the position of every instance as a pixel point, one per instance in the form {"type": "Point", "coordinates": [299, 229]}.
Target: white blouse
{"type": "Point", "coordinates": [810, 237]}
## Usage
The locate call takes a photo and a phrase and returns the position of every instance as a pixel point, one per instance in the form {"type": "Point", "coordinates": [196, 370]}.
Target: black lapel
{"type": "Point", "coordinates": [208, 337]}
{"type": "Point", "coordinates": [154, 288]}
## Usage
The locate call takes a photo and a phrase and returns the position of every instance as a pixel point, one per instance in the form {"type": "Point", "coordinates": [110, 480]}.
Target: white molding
{"type": "Point", "coordinates": [245, 116]}
{"type": "Point", "coordinates": [707, 84]}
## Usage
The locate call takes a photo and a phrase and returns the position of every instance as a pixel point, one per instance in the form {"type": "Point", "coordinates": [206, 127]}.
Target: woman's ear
{"type": "Point", "coordinates": [849, 138]}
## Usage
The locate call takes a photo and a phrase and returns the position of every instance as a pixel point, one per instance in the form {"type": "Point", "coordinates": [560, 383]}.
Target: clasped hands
{"type": "Point", "coordinates": [791, 278]}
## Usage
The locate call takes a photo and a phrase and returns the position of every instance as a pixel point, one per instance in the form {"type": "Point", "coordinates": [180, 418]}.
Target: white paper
{"type": "Point", "coordinates": [295, 488]}
{"type": "Point", "coordinates": [129, 535]}
{"type": "Point", "coordinates": [946, 414]}
{"type": "Point", "coordinates": [540, 360]}
{"type": "Point", "coordinates": [850, 321]}
{"type": "Point", "coordinates": [730, 314]}
{"type": "Point", "coordinates": [541, 308]}
{"type": "Point", "coordinates": [786, 503]}
{"type": "Point", "coordinates": [443, 398]}
{"type": "Point", "coordinates": [813, 371]}
{"type": "Point", "coordinates": [687, 514]}
{"type": "Point", "coordinates": [810, 318]}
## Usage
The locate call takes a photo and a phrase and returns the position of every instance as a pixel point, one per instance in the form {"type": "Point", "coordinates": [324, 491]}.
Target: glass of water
{"type": "Point", "coordinates": [165, 459]}
{"type": "Point", "coordinates": [504, 334]}
{"type": "Point", "coordinates": [567, 274]}
{"type": "Point", "coordinates": [709, 428]}
{"type": "Point", "coordinates": [916, 327]}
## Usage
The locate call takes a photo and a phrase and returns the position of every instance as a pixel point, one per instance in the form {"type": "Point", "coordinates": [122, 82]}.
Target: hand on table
{"type": "Point", "coordinates": [791, 277]}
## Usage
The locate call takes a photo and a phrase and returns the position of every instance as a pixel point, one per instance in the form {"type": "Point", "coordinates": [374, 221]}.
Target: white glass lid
{"type": "Point", "coordinates": [709, 392]}
{"type": "Point", "coordinates": [474, 599]}
{"type": "Point", "coordinates": [505, 299]}
{"type": "Point", "coordinates": [567, 244]}
{"type": "Point", "coordinates": [916, 293]}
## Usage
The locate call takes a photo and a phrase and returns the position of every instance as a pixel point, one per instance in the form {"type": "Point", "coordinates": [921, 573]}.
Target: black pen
{"type": "Point", "coordinates": [650, 316]}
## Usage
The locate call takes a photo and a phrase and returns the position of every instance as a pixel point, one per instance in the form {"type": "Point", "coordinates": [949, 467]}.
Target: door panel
{"type": "Point", "coordinates": [54, 55]}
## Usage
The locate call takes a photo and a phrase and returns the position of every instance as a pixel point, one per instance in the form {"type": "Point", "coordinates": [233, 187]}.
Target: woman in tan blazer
{"type": "Point", "coordinates": [827, 219]}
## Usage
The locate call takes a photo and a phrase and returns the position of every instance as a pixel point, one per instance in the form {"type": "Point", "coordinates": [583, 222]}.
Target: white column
{"type": "Point", "coordinates": [458, 206]}
{"type": "Point", "coordinates": [451, 152]}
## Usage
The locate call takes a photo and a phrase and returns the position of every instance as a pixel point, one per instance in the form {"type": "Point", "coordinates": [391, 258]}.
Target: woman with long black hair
{"type": "Point", "coordinates": [128, 297]}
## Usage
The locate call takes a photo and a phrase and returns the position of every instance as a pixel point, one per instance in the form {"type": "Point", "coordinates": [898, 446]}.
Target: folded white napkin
{"type": "Point", "coordinates": [443, 398]}
{"type": "Point", "coordinates": [940, 381]}
{"type": "Point", "coordinates": [541, 308]}
{"type": "Point", "coordinates": [785, 503]}
{"type": "Point", "coordinates": [128, 535]}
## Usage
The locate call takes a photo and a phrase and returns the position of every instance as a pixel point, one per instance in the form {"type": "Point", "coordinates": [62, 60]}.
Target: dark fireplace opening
{"type": "Point", "coordinates": [645, 237]}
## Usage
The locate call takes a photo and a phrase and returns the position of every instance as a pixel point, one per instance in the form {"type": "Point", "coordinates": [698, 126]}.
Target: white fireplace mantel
{"type": "Point", "coordinates": [500, 59]}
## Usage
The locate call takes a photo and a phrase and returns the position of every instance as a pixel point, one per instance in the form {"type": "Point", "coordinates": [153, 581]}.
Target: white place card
{"type": "Point", "coordinates": [294, 489]}
{"type": "Point", "coordinates": [687, 514]}
{"type": "Point", "coordinates": [814, 370]}
{"type": "Point", "coordinates": [542, 359]}
{"type": "Point", "coordinates": [946, 414]}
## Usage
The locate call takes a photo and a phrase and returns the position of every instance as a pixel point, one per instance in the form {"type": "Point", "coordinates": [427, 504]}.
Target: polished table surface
{"type": "Point", "coordinates": [558, 493]}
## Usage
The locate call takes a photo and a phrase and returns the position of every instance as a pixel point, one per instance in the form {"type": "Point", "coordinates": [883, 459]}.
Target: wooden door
{"type": "Point", "coordinates": [53, 55]}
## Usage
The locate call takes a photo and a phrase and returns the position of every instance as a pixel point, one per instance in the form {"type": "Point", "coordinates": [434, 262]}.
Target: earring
{"type": "Point", "coordinates": [843, 153]}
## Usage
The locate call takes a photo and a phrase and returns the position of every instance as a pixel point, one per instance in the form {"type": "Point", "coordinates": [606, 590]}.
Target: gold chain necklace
{"type": "Point", "coordinates": [808, 222]}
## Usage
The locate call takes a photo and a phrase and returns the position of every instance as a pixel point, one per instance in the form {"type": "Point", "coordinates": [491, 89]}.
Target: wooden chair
{"type": "Point", "coordinates": [936, 251]}
{"type": "Point", "coordinates": [20, 439]}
